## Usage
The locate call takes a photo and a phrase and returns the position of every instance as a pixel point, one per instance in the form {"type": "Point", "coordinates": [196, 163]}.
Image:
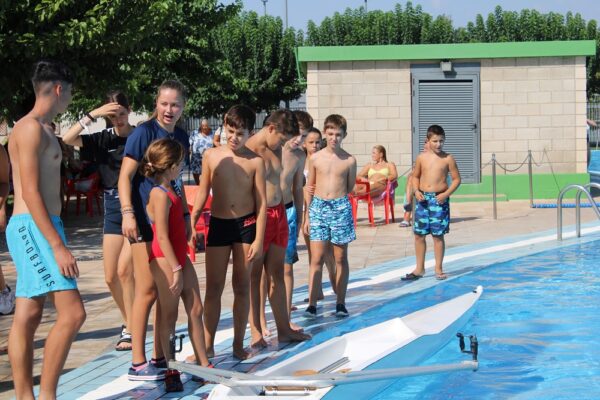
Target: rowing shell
{"type": "Point", "coordinates": [377, 354]}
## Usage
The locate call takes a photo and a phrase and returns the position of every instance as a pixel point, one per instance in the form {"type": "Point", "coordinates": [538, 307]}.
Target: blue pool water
{"type": "Point", "coordinates": [538, 325]}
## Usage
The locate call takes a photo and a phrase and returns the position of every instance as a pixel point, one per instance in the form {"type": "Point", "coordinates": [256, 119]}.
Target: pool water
{"type": "Point", "coordinates": [538, 324]}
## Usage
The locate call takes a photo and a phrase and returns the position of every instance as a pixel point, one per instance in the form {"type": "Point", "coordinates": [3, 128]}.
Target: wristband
{"type": "Point", "coordinates": [87, 114]}
{"type": "Point", "coordinates": [177, 268]}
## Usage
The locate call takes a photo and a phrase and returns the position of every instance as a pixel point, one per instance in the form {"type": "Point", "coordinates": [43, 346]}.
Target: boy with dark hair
{"type": "Point", "coordinates": [280, 126]}
{"type": "Point", "coordinates": [432, 212]}
{"type": "Point", "coordinates": [329, 219]}
{"type": "Point", "coordinates": [237, 223]}
{"type": "Point", "coordinates": [36, 239]}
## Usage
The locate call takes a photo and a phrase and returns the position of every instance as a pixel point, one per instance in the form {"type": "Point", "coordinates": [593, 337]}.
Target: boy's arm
{"type": "Point", "coordinates": [203, 190]}
{"type": "Point", "coordinates": [28, 147]}
{"type": "Point", "coordinates": [309, 193]}
{"type": "Point", "coordinates": [260, 202]}
{"type": "Point", "coordinates": [453, 170]}
{"type": "Point", "coordinates": [298, 192]}
{"type": "Point", "coordinates": [416, 179]}
{"type": "Point", "coordinates": [4, 186]}
{"type": "Point", "coordinates": [351, 176]}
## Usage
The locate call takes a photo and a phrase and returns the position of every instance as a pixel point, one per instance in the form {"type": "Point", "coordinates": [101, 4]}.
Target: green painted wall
{"type": "Point", "coordinates": [513, 187]}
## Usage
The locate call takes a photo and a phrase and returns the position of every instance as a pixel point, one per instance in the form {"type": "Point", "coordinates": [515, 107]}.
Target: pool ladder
{"type": "Point", "coordinates": [581, 189]}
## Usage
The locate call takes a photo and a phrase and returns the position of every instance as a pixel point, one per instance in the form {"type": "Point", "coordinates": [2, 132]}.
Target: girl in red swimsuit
{"type": "Point", "coordinates": [173, 272]}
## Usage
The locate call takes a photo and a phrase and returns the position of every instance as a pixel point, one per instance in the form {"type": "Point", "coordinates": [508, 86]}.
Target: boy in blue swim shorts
{"type": "Point", "coordinates": [36, 239]}
{"type": "Point", "coordinates": [432, 212]}
{"type": "Point", "coordinates": [332, 175]}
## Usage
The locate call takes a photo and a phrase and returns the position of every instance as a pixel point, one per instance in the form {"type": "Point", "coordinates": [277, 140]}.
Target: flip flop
{"type": "Point", "coordinates": [404, 224]}
{"type": "Point", "coordinates": [411, 277]}
{"type": "Point", "coordinates": [441, 277]}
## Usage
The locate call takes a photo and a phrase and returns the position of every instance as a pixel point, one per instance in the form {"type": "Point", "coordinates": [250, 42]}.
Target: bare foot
{"type": "Point", "coordinates": [259, 344]}
{"type": "Point", "coordinates": [210, 352]}
{"type": "Point", "coordinates": [440, 276]}
{"type": "Point", "coordinates": [296, 328]}
{"type": "Point", "coordinates": [292, 336]}
{"type": "Point", "coordinates": [266, 332]}
{"type": "Point", "coordinates": [191, 359]}
{"type": "Point", "coordinates": [241, 354]}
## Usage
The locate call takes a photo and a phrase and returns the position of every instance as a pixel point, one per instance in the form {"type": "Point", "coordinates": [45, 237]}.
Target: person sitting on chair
{"type": "Point", "coordinates": [377, 173]}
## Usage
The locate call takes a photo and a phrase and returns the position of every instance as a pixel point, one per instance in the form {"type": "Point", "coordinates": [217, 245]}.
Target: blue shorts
{"type": "Point", "coordinates": [431, 217]}
{"type": "Point", "coordinates": [37, 271]}
{"type": "Point", "coordinates": [291, 253]}
{"type": "Point", "coordinates": [112, 213]}
{"type": "Point", "coordinates": [331, 220]}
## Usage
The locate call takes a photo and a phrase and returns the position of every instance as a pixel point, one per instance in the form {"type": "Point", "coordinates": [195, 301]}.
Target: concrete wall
{"type": "Point", "coordinates": [526, 103]}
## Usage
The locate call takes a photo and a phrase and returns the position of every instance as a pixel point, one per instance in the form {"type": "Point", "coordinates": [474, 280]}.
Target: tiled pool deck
{"type": "Point", "coordinates": [94, 370]}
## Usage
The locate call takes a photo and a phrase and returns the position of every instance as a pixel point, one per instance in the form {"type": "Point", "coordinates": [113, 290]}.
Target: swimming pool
{"type": "Point", "coordinates": [538, 325]}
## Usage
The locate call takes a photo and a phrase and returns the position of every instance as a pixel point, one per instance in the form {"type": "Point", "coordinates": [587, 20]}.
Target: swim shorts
{"type": "Point", "coordinates": [112, 213]}
{"type": "Point", "coordinates": [291, 253]}
{"type": "Point", "coordinates": [225, 232]}
{"type": "Point", "coordinates": [37, 271]}
{"type": "Point", "coordinates": [331, 220]}
{"type": "Point", "coordinates": [431, 217]}
{"type": "Point", "coordinates": [276, 230]}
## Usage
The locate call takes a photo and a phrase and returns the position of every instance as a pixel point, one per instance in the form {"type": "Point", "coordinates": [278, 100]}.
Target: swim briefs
{"type": "Point", "coordinates": [276, 230]}
{"type": "Point", "coordinates": [225, 232]}
{"type": "Point", "coordinates": [331, 220]}
{"type": "Point", "coordinates": [37, 271]}
{"type": "Point", "coordinates": [291, 253]}
{"type": "Point", "coordinates": [431, 217]}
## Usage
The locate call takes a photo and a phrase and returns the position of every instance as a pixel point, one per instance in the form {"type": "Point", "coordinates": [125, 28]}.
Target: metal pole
{"type": "Point", "coordinates": [286, 14]}
{"type": "Point", "coordinates": [265, 7]}
{"type": "Point", "coordinates": [366, 6]}
{"type": "Point", "coordinates": [530, 179]}
{"type": "Point", "coordinates": [494, 185]}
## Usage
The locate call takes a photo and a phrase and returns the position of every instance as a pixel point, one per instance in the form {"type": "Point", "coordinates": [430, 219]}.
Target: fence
{"type": "Point", "coordinates": [593, 114]}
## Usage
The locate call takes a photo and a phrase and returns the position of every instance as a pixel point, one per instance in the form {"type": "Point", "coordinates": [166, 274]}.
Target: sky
{"type": "Point", "coordinates": [461, 11]}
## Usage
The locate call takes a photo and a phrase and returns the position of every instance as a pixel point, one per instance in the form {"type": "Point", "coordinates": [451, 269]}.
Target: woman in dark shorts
{"type": "Point", "coordinates": [105, 149]}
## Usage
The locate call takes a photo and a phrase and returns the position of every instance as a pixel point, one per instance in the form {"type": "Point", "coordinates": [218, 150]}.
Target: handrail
{"type": "Point", "coordinates": [580, 190]}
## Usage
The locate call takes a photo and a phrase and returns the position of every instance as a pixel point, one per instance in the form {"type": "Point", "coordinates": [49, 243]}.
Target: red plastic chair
{"type": "Point", "coordinates": [203, 222]}
{"type": "Point", "coordinates": [386, 197]}
{"type": "Point", "coordinates": [88, 187]}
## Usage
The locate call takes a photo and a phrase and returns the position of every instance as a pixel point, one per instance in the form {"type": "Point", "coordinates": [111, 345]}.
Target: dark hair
{"type": "Point", "coordinates": [284, 121]}
{"type": "Point", "coordinates": [304, 119]}
{"type": "Point", "coordinates": [175, 85]}
{"type": "Point", "coordinates": [240, 117]}
{"type": "Point", "coordinates": [335, 121]}
{"type": "Point", "coordinates": [381, 149]}
{"type": "Point", "coordinates": [315, 130]}
{"type": "Point", "coordinates": [50, 71]}
{"type": "Point", "coordinates": [435, 130]}
{"type": "Point", "coordinates": [161, 155]}
{"type": "Point", "coordinates": [117, 96]}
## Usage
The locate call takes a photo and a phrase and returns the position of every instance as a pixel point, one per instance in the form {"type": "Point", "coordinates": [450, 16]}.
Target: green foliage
{"type": "Point", "coordinates": [129, 44]}
{"type": "Point", "coordinates": [257, 65]}
{"type": "Point", "coordinates": [412, 25]}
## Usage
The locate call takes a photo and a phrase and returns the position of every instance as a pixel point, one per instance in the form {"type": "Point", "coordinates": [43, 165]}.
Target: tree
{"type": "Point", "coordinates": [131, 44]}
{"type": "Point", "coordinates": [257, 64]}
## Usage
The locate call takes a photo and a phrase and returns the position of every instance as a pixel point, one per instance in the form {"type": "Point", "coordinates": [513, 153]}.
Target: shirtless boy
{"type": "Point", "coordinates": [237, 223]}
{"type": "Point", "coordinates": [292, 188]}
{"type": "Point", "coordinates": [329, 219]}
{"type": "Point", "coordinates": [36, 240]}
{"type": "Point", "coordinates": [432, 213]}
{"type": "Point", "coordinates": [279, 127]}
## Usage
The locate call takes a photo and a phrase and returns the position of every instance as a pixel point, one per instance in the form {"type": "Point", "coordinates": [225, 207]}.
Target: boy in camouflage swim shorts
{"type": "Point", "coordinates": [432, 213]}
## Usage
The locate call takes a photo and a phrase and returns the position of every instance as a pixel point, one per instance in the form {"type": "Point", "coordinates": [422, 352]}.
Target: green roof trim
{"type": "Point", "coordinates": [567, 48]}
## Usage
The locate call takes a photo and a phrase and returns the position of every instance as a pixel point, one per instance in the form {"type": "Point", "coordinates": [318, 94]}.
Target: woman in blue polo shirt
{"type": "Point", "coordinates": [105, 150]}
{"type": "Point", "coordinates": [134, 190]}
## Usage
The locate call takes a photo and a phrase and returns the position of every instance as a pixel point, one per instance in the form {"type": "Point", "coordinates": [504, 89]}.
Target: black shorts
{"type": "Point", "coordinates": [141, 218]}
{"type": "Point", "coordinates": [225, 232]}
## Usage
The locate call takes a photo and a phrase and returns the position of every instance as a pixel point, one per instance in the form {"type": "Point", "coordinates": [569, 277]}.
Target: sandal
{"type": "Point", "coordinates": [411, 277]}
{"type": "Point", "coordinates": [404, 224]}
{"type": "Point", "coordinates": [124, 338]}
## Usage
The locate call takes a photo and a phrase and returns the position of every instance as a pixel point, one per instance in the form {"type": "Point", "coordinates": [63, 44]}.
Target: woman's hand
{"type": "Point", "coordinates": [106, 110]}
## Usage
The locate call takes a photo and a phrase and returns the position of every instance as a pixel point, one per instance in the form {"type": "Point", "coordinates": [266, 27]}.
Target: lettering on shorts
{"type": "Point", "coordinates": [34, 258]}
{"type": "Point", "coordinates": [249, 221]}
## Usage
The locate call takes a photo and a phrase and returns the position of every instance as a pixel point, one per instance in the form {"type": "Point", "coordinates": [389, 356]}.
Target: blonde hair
{"type": "Point", "coordinates": [381, 149]}
{"type": "Point", "coordinates": [161, 155]}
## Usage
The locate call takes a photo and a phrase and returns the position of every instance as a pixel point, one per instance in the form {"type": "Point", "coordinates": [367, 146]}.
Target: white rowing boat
{"type": "Point", "coordinates": [377, 354]}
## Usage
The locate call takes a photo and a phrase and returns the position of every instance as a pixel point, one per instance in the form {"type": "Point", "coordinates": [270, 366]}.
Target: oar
{"type": "Point", "coordinates": [320, 380]}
